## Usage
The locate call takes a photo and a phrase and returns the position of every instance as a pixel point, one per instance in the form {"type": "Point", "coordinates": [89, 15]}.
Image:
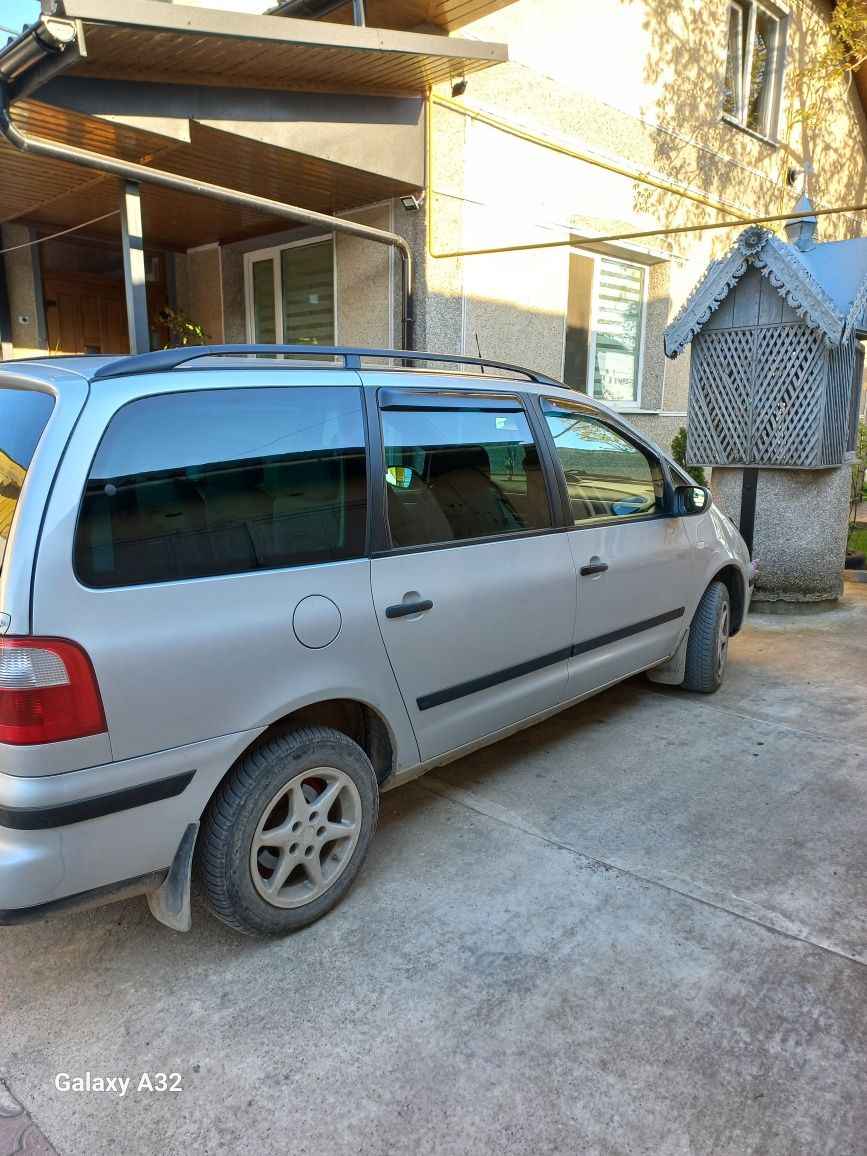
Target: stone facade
{"type": "Point", "coordinates": [800, 532]}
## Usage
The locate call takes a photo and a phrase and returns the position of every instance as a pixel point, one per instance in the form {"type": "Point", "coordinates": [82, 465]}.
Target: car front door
{"type": "Point", "coordinates": [475, 587]}
{"type": "Point", "coordinates": [633, 558]}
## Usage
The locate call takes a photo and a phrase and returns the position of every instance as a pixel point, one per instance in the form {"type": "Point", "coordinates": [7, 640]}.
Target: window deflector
{"type": "Point", "coordinates": [442, 399]}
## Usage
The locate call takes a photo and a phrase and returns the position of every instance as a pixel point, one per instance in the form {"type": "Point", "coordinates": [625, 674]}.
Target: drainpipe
{"type": "Point", "coordinates": [130, 171]}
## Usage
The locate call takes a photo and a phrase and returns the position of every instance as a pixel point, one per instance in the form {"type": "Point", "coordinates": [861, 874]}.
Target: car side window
{"type": "Point", "coordinates": [459, 474]}
{"type": "Point", "coordinates": [187, 485]}
{"type": "Point", "coordinates": [608, 476]}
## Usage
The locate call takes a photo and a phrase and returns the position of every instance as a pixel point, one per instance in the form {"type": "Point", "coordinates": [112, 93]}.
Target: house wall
{"type": "Point", "coordinates": [199, 289]}
{"type": "Point", "coordinates": [364, 284]}
{"type": "Point", "coordinates": [638, 86]}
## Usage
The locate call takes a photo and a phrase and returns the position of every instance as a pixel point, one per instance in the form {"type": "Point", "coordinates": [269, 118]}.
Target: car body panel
{"type": "Point", "coordinates": [44, 865]}
{"type": "Point", "coordinates": [497, 606]}
{"type": "Point", "coordinates": [642, 597]}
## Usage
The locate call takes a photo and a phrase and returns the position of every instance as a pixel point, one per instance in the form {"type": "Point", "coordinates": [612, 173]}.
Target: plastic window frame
{"type": "Point", "coordinates": [273, 253]}
{"type": "Point", "coordinates": [747, 9]}
{"type": "Point", "coordinates": [635, 404]}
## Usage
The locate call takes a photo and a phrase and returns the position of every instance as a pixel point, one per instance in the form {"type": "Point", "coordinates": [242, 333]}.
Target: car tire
{"type": "Point", "coordinates": [287, 831]}
{"type": "Point", "coordinates": [707, 647]}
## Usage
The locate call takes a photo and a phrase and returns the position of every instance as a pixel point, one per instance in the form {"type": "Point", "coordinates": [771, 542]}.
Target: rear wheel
{"type": "Point", "coordinates": [707, 648]}
{"type": "Point", "coordinates": [288, 831]}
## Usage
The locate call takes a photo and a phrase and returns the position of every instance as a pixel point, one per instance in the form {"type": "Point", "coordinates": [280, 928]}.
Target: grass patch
{"type": "Point", "coordinates": [858, 541]}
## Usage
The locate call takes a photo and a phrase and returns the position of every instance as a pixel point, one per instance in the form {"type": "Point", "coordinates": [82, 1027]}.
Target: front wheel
{"type": "Point", "coordinates": [288, 831]}
{"type": "Point", "coordinates": [708, 643]}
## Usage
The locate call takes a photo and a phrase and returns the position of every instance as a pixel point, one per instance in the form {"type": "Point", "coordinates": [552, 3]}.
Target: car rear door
{"type": "Point", "coordinates": [633, 558]}
{"type": "Point", "coordinates": [474, 585]}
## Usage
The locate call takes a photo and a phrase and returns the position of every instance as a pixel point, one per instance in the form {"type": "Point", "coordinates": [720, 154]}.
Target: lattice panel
{"type": "Point", "coordinates": [766, 396]}
{"type": "Point", "coordinates": [842, 404]}
{"type": "Point", "coordinates": [788, 397]}
{"type": "Point", "coordinates": [719, 396]}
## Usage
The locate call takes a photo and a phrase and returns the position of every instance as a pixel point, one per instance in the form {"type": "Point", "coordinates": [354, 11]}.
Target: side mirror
{"type": "Point", "coordinates": [690, 500]}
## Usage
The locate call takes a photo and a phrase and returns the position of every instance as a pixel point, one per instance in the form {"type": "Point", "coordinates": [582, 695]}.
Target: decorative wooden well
{"type": "Point", "coordinates": [775, 382]}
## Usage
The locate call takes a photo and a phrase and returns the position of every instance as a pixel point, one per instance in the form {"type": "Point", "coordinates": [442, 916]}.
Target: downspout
{"type": "Point", "coordinates": [129, 170]}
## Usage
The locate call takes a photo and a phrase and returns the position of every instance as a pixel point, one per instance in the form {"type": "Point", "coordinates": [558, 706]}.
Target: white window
{"type": "Point", "coordinates": [754, 66]}
{"type": "Point", "coordinates": [605, 319]}
{"type": "Point", "coordinates": [618, 331]}
{"type": "Point", "coordinates": [290, 293]}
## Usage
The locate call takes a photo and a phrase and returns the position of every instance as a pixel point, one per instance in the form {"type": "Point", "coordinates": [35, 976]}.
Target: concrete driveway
{"type": "Point", "coordinates": [638, 928]}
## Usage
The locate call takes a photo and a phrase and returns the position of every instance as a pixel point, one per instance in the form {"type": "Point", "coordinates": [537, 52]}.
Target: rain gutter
{"type": "Point", "coordinates": [42, 50]}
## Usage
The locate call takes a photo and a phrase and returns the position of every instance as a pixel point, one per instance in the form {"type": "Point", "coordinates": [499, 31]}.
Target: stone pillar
{"type": "Point", "coordinates": [25, 291]}
{"type": "Point", "coordinates": [801, 526]}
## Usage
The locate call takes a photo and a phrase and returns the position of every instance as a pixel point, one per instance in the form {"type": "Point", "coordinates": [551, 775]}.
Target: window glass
{"type": "Point", "coordinates": [453, 475]}
{"type": "Point", "coordinates": [307, 273]}
{"type": "Point", "coordinates": [732, 95]}
{"type": "Point", "coordinates": [761, 68]}
{"type": "Point", "coordinates": [750, 89]}
{"type": "Point", "coordinates": [619, 302]}
{"type": "Point", "coordinates": [188, 485]}
{"type": "Point", "coordinates": [605, 327]}
{"type": "Point", "coordinates": [24, 415]}
{"type": "Point", "coordinates": [291, 294]}
{"type": "Point", "coordinates": [607, 476]}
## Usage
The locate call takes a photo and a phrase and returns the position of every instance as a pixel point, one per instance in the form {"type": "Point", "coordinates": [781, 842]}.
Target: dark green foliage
{"type": "Point", "coordinates": [678, 452]}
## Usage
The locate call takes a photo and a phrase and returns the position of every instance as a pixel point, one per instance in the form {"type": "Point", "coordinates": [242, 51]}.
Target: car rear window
{"type": "Point", "coordinates": [24, 415]}
{"type": "Point", "coordinates": [189, 485]}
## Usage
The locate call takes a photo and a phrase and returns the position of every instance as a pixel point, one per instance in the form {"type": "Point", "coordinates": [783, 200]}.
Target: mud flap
{"type": "Point", "coordinates": [671, 671]}
{"type": "Point", "coordinates": [170, 903]}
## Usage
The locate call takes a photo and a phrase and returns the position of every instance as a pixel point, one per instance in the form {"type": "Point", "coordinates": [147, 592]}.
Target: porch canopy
{"type": "Point", "coordinates": [323, 115]}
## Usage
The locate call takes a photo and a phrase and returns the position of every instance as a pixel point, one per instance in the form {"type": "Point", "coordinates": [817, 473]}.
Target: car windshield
{"type": "Point", "coordinates": [23, 417]}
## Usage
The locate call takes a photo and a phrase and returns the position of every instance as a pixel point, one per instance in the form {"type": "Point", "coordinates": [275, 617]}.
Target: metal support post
{"type": "Point", "coordinates": [134, 268]}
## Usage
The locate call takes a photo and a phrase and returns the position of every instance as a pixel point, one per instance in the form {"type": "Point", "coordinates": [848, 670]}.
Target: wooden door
{"type": "Point", "coordinates": [85, 313]}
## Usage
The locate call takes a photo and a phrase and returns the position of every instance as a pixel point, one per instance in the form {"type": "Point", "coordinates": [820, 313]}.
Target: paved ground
{"type": "Point", "coordinates": [639, 928]}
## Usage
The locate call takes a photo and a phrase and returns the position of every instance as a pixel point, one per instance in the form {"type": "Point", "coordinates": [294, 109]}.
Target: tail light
{"type": "Point", "coordinates": [48, 692]}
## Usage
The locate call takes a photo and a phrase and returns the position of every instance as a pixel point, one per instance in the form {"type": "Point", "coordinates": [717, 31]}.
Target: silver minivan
{"type": "Point", "coordinates": [243, 590]}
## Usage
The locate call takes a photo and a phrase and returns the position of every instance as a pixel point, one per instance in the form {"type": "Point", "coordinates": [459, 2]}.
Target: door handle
{"type": "Point", "coordinates": [597, 567]}
{"type": "Point", "coordinates": [402, 609]}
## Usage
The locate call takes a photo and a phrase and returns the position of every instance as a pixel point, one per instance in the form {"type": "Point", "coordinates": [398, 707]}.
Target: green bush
{"type": "Point", "coordinates": [859, 486]}
{"type": "Point", "coordinates": [678, 452]}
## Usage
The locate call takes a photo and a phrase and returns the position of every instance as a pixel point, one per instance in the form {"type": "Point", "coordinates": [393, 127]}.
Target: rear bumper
{"type": "Point", "coordinates": [45, 816]}
{"type": "Point", "coordinates": [125, 889]}
{"type": "Point", "coordinates": [84, 837]}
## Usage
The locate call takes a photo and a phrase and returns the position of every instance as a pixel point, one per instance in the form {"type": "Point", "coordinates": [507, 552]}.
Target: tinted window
{"type": "Point", "coordinates": [23, 417]}
{"type": "Point", "coordinates": [222, 481]}
{"type": "Point", "coordinates": [458, 474]}
{"type": "Point", "coordinates": [607, 475]}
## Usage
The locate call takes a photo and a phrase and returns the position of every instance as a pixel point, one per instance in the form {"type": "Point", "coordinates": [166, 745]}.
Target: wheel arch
{"type": "Point", "coordinates": [733, 580]}
{"type": "Point", "coordinates": [356, 719]}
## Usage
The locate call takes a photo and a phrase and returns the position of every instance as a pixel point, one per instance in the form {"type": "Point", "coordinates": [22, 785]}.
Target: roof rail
{"type": "Point", "coordinates": [161, 360]}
